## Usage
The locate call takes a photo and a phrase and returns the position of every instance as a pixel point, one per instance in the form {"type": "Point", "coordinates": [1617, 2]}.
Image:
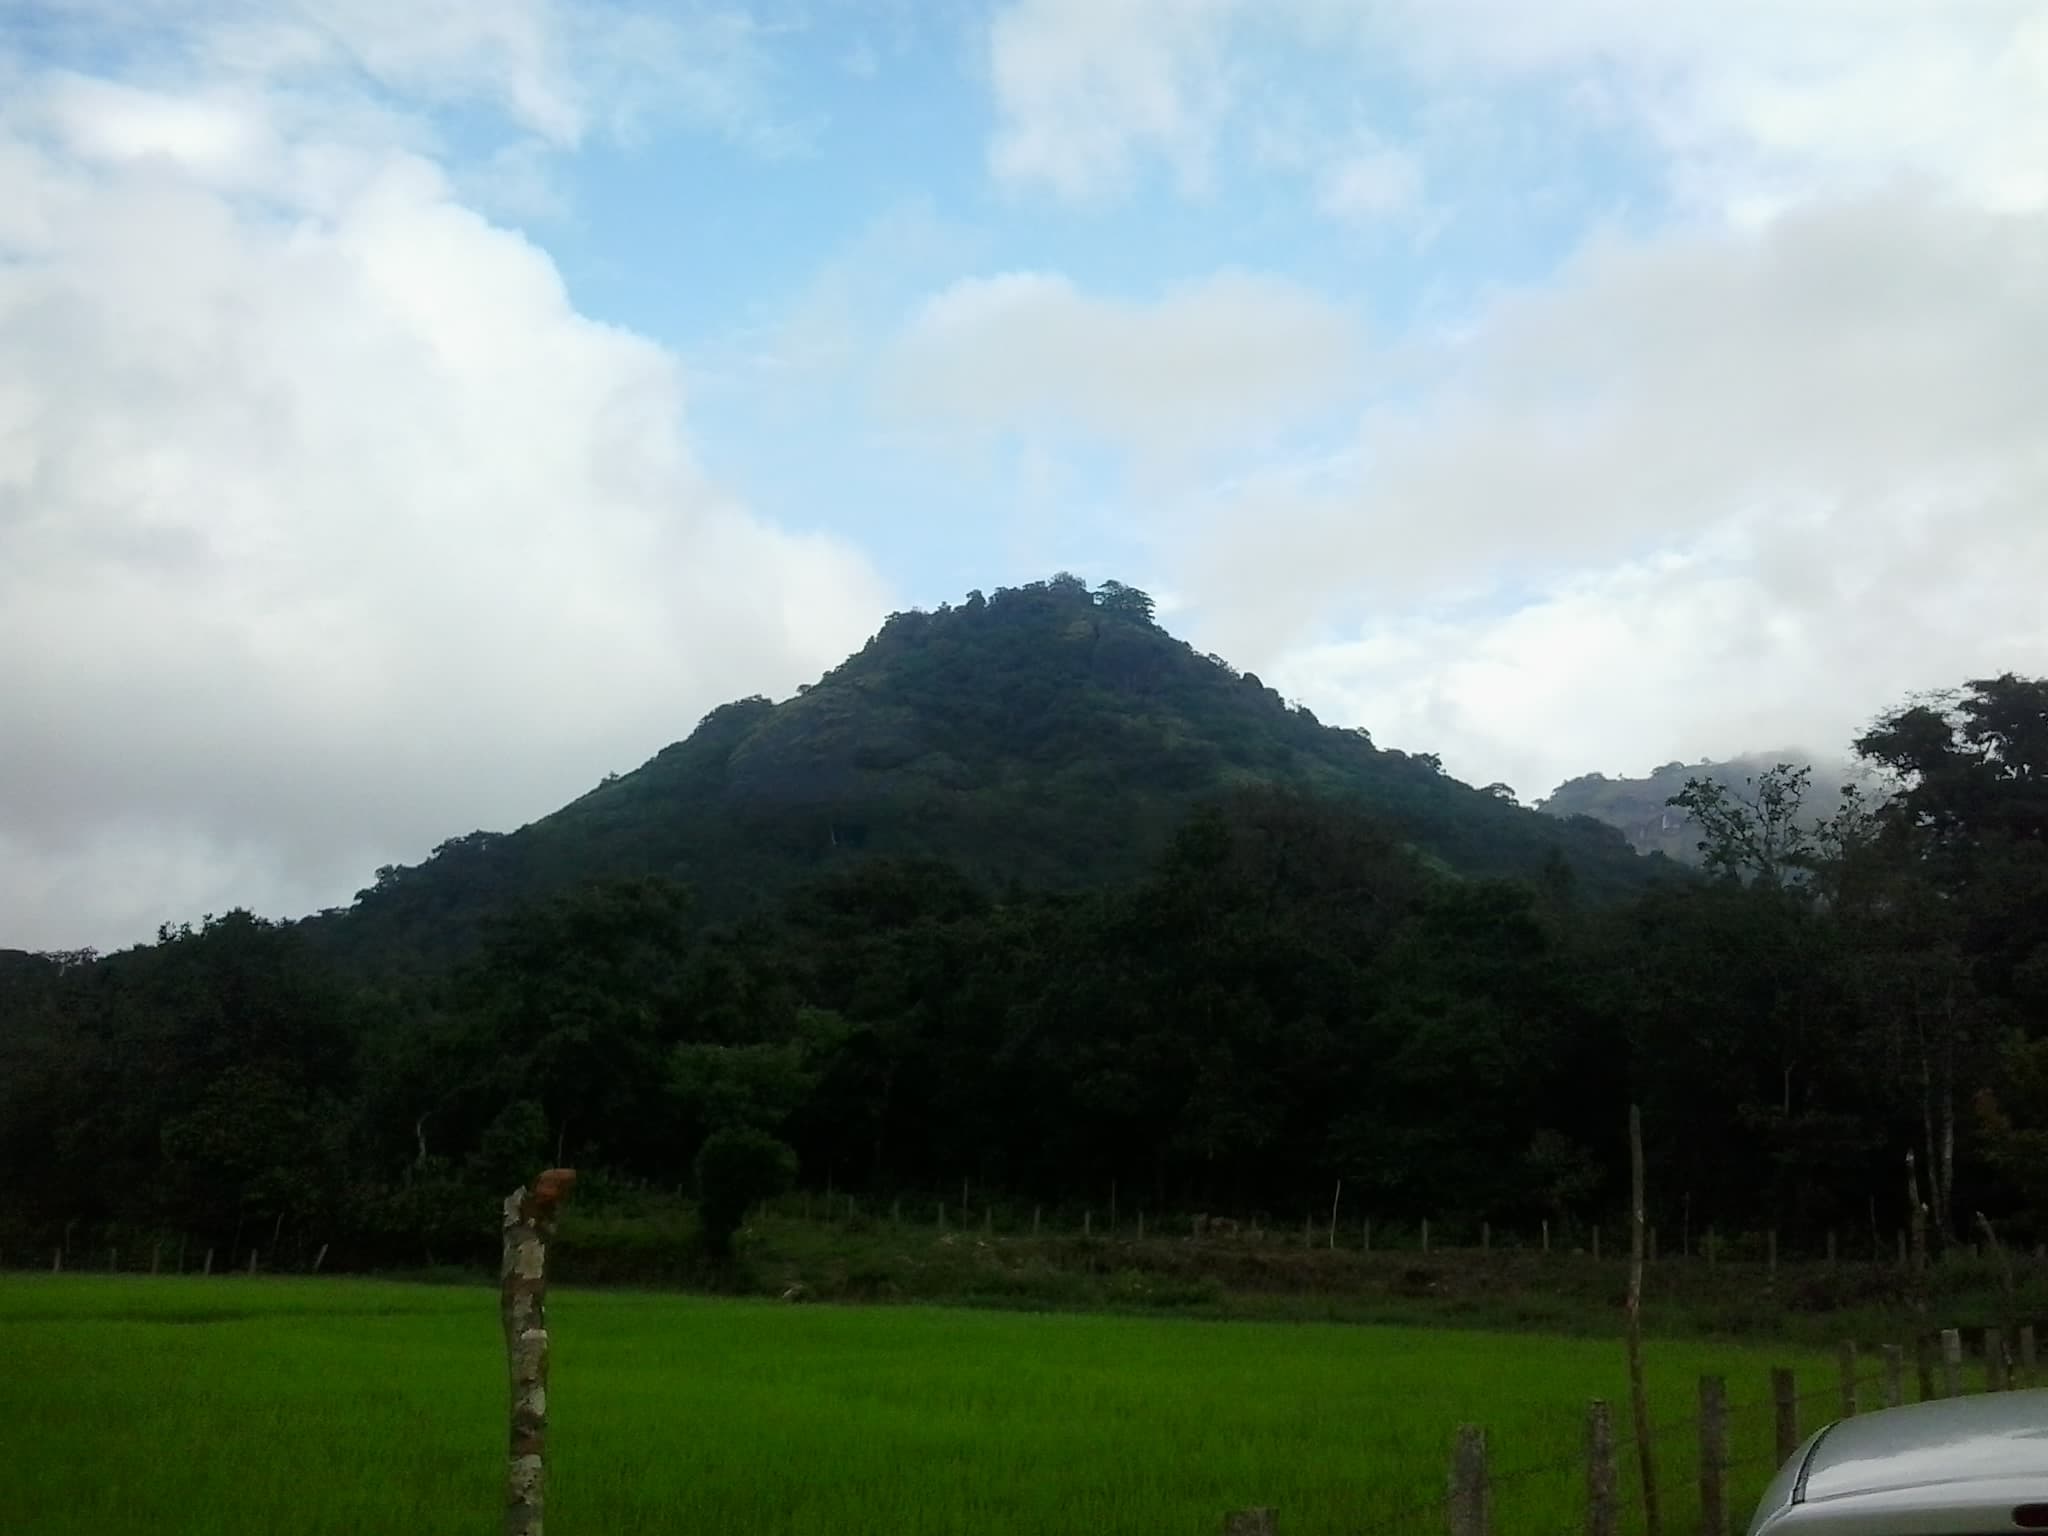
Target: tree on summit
{"type": "Point", "coordinates": [1115, 597]}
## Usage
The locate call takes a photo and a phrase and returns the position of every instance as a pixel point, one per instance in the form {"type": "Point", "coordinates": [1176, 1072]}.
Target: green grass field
{"type": "Point", "coordinates": [258, 1406]}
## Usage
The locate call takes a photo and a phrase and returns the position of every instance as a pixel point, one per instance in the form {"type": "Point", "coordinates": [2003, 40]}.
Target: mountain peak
{"type": "Point", "coordinates": [1049, 734]}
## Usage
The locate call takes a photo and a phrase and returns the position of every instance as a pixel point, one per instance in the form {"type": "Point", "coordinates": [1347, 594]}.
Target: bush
{"type": "Point", "coordinates": [736, 1171]}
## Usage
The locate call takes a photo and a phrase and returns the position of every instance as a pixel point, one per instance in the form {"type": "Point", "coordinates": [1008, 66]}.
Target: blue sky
{"type": "Point", "coordinates": [411, 410]}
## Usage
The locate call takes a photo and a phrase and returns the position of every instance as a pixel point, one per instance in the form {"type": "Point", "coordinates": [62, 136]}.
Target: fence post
{"type": "Point", "coordinates": [1485, 1236]}
{"type": "Point", "coordinates": [1995, 1379]}
{"type": "Point", "coordinates": [1087, 1223]}
{"type": "Point", "coordinates": [1713, 1456]}
{"type": "Point", "coordinates": [1546, 1234]}
{"type": "Point", "coordinates": [1951, 1363]}
{"type": "Point", "coordinates": [1639, 1403]}
{"type": "Point", "coordinates": [1894, 1375]}
{"type": "Point", "coordinates": [319, 1258]}
{"type": "Point", "coordinates": [252, 1262]}
{"type": "Point", "coordinates": [1845, 1362]}
{"type": "Point", "coordinates": [1923, 1366]}
{"type": "Point", "coordinates": [1467, 1506]}
{"type": "Point", "coordinates": [2028, 1374]}
{"type": "Point", "coordinates": [1785, 1398]}
{"type": "Point", "coordinates": [209, 1263]}
{"type": "Point", "coordinates": [1596, 1243]}
{"type": "Point", "coordinates": [1600, 1470]}
{"type": "Point", "coordinates": [1425, 1234]}
{"type": "Point", "coordinates": [1036, 1212]}
{"type": "Point", "coordinates": [156, 1258]}
{"type": "Point", "coordinates": [528, 1226]}
{"type": "Point", "coordinates": [1251, 1522]}
{"type": "Point", "coordinates": [56, 1261]}
{"type": "Point", "coordinates": [942, 1215]}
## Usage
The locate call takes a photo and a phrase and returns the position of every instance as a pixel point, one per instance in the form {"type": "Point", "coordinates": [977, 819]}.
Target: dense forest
{"type": "Point", "coordinates": [1107, 914]}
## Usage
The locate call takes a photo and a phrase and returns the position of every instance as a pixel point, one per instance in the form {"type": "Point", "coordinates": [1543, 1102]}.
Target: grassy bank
{"type": "Point", "coordinates": [1280, 1277]}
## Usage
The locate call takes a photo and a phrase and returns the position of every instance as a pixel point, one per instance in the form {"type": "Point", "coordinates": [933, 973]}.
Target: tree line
{"type": "Point", "coordinates": [1290, 994]}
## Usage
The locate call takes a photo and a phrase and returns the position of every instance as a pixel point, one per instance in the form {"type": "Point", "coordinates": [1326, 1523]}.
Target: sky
{"type": "Point", "coordinates": [413, 410]}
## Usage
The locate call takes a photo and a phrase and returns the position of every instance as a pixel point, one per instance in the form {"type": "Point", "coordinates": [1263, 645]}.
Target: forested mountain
{"type": "Point", "coordinates": [1641, 809]}
{"type": "Point", "coordinates": [1045, 736]}
{"type": "Point", "coordinates": [1253, 956]}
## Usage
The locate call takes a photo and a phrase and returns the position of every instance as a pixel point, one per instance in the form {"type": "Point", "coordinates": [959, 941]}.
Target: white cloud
{"type": "Point", "coordinates": [1205, 366]}
{"type": "Point", "coordinates": [1753, 104]}
{"type": "Point", "coordinates": [328, 527]}
{"type": "Point", "coordinates": [1084, 87]}
{"type": "Point", "coordinates": [1707, 492]}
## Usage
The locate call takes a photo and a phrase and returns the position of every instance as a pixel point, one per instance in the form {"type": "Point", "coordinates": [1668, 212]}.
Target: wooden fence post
{"type": "Point", "coordinates": [528, 1225]}
{"type": "Point", "coordinates": [1713, 1456]}
{"type": "Point", "coordinates": [252, 1261]}
{"type": "Point", "coordinates": [2029, 1376]}
{"type": "Point", "coordinates": [1596, 1244]}
{"type": "Point", "coordinates": [1087, 1223]}
{"type": "Point", "coordinates": [319, 1258]}
{"type": "Point", "coordinates": [114, 1261]}
{"type": "Point", "coordinates": [1601, 1517]}
{"type": "Point", "coordinates": [942, 1215]}
{"type": "Point", "coordinates": [1546, 1234]}
{"type": "Point", "coordinates": [1467, 1506]}
{"type": "Point", "coordinates": [1894, 1375]}
{"type": "Point", "coordinates": [57, 1261]}
{"type": "Point", "coordinates": [1845, 1362]}
{"type": "Point", "coordinates": [156, 1258]}
{"type": "Point", "coordinates": [1425, 1234]}
{"type": "Point", "coordinates": [1995, 1379]}
{"type": "Point", "coordinates": [1951, 1363]}
{"type": "Point", "coordinates": [1639, 1402]}
{"type": "Point", "coordinates": [1923, 1366]}
{"type": "Point", "coordinates": [1251, 1522]}
{"type": "Point", "coordinates": [1785, 1398]}
{"type": "Point", "coordinates": [1485, 1237]}
{"type": "Point", "coordinates": [209, 1262]}
{"type": "Point", "coordinates": [1335, 1197]}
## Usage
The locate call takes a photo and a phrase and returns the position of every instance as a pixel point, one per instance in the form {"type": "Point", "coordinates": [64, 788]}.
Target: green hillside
{"type": "Point", "coordinates": [1044, 735]}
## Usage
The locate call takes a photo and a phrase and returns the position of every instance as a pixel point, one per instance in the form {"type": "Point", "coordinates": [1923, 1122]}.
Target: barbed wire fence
{"type": "Point", "coordinates": [1730, 1449]}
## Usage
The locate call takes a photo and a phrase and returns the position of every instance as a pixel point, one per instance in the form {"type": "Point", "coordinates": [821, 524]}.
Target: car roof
{"type": "Point", "coordinates": [1961, 1439]}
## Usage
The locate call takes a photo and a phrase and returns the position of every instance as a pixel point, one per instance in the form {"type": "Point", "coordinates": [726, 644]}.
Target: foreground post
{"type": "Point", "coordinates": [1785, 1400]}
{"type": "Point", "coordinates": [523, 1288]}
{"type": "Point", "coordinates": [1894, 1375]}
{"type": "Point", "coordinates": [1639, 1402]}
{"type": "Point", "coordinates": [1467, 1508]}
{"type": "Point", "coordinates": [1713, 1456]}
{"type": "Point", "coordinates": [1600, 1471]}
{"type": "Point", "coordinates": [1951, 1362]}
